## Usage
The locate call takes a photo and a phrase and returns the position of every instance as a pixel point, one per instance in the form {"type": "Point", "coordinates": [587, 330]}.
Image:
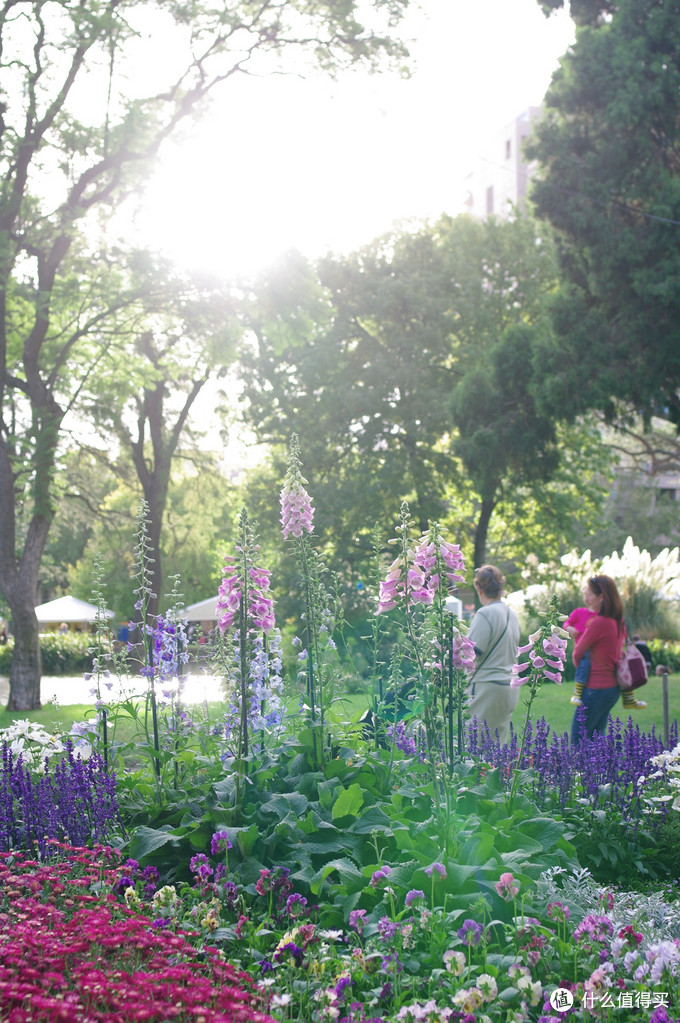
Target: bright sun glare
{"type": "Point", "coordinates": [317, 165]}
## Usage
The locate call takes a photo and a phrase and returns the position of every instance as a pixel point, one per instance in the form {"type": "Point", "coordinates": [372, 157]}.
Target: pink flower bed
{"type": "Point", "coordinates": [70, 951]}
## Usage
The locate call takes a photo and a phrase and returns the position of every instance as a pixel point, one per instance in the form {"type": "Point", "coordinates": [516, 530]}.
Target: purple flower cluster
{"type": "Point", "coordinates": [168, 649]}
{"type": "Point", "coordinates": [470, 933]}
{"type": "Point", "coordinates": [413, 743]}
{"type": "Point", "coordinates": [73, 799]}
{"type": "Point", "coordinates": [562, 772]}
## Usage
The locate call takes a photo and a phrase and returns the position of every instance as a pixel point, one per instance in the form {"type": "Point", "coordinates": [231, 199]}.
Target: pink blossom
{"type": "Point", "coordinates": [463, 652]}
{"type": "Point", "coordinates": [260, 606]}
{"type": "Point", "coordinates": [297, 512]}
{"type": "Point", "coordinates": [506, 887]}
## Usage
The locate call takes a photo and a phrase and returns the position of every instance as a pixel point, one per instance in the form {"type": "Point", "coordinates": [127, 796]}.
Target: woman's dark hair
{"type": "Point", "coordinates": [490, 581]}
{"type": "Point", "coordinates": [612, 605]}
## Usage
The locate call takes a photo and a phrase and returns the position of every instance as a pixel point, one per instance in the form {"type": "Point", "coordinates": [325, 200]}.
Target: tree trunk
{"type": "Point", "coordinates": [19, 569]}
{"type": "Point", "coordinates": [19, 584]}
{"type": "Point", "coordinates": [482, 529]}
{"type": "Point", "coordinates": [24, 679]}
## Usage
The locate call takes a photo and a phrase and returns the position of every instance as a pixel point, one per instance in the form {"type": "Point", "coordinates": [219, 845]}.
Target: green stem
{"type": "Point", "coordinates": [534, 683]}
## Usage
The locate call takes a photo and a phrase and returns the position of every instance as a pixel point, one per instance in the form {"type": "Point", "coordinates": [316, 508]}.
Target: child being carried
{"type": "Point", "coordinates": [576, 625]}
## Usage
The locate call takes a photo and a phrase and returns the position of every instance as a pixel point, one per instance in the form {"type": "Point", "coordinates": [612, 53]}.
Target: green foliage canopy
{"type": "Point", "coordinates": [610, 186]}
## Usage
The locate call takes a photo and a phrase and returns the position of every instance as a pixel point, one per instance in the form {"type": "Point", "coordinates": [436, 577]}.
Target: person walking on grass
{"type": "Point", "coordinates": [603, 639]}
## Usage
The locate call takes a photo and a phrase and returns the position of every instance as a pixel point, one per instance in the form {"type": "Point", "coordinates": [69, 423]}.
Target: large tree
{"type": "Point", "coordinates": [180, 335]}
{"type": "Point", "coordinates": [396, 364]}
{"type": "Point", "coordinates": [89, 96]}
{"type": "Point", "coordinates": [608, 147]}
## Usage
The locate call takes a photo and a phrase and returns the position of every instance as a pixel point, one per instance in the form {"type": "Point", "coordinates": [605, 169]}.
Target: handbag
{"type": "Point", "coordinates": [631, 668]}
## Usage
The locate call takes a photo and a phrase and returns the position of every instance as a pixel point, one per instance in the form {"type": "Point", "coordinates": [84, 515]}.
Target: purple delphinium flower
{"type": "Point", "coordinates": [387, 928]}
{"type": "Point", "coordinates": [200, 866]}
{"type": "Point", "coordinates": [293, 950]}
{"type": "Point", "coordinates": [296, 905]}
{"type": "Point", "coordinates": [341, 987]}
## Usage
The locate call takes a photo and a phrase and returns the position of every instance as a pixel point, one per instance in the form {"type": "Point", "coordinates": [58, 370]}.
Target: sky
{"type": "Point", "coordinates": [320, 165]}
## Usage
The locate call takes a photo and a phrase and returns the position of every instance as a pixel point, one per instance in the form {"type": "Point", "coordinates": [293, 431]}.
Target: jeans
{"type": "Point", "coordinates": [596, 703]}
{"type": "Point", "coordinates": [582, 672]}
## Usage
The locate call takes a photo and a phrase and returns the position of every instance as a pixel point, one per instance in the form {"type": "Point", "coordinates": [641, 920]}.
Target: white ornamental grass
{"type": "Point", "coordinates": [636, 567]}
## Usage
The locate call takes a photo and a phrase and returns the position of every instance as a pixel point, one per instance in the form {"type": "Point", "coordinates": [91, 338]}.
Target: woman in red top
{"type": "Point", "coordinates": [603, 637]}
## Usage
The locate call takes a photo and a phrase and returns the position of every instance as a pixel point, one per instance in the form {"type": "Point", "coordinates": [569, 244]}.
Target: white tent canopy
{"type": "Point", "coordinates": [203, 611]}
{"type": "Point", "coordinates": [67, 609]}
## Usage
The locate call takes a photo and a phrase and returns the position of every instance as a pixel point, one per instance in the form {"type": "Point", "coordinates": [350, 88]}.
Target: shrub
{"type": "Point", "coordinates": [665, 652]}
{"type": "Point", "coordinates": [65, 653]}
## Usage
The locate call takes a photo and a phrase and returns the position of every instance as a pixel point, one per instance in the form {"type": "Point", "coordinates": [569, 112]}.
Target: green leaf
{"type": "Point", "coordinates": [147, 840]}
{"type": "Point", "coordinates": [373, 820]}
{"type": "Point", "coordinates": [349, 802]}
{"type": "Point", "coordinates": [350, 877]}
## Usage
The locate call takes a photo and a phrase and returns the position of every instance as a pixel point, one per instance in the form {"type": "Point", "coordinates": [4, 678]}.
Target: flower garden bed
{"type": "Point", "coordinates": [274, 866]}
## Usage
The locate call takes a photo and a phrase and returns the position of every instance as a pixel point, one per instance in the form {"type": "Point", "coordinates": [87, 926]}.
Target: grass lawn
{"type": "Point", "coordinates": [552, 703]}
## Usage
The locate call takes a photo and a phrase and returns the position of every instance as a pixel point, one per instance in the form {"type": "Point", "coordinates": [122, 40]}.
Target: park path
{"type": "Point", "coordinates": [67, 689]}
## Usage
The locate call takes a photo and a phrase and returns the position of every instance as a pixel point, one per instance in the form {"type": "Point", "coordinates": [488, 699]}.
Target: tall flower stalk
{"type": "Point", "coordinates": [143, 596]}
{"type": "Point", "coordinates": [545, 652]}
{"type": "Point", "coordinates": [249, 651]}
{"type": "Point", "coordinates": [102, 651]}
{"type": "Point", "coordinates": [297, 523]}
{"type": "Point", "coordinates": [419, 583]}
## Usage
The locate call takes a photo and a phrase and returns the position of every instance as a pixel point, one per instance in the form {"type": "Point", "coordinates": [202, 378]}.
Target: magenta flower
{"type": "Point", "coordinates": [436, 868]}
{"type": "Point", "coordinates": [463, 652]}
{"type": "Point", "coordinates": [558, 911]}
{"type": "Point", "coordinates": [546, 656]}
{"type": "Point", "coordinates": [260, 606]}
{"type": "Point", "coordinates": [423, 572]}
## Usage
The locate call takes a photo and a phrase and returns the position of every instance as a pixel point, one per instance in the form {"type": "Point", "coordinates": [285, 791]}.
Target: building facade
{"type": "Point", "coordinates": [499, 179]}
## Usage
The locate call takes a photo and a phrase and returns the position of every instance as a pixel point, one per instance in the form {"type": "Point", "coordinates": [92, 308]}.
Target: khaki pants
{"type": "Point", "coordinates": [493, 703]}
